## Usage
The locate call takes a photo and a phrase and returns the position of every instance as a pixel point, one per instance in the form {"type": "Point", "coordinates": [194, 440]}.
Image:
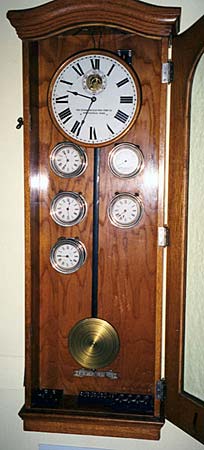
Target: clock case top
{"type": "Point", "coordinates": [59, 16]}
{"type": "Point", "coordinates": [44, 30]}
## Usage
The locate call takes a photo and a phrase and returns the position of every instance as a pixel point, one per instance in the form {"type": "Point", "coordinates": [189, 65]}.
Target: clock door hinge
{"type": "Point", "coordinates": [163, 236]}
{"type": "Point", "coordinates": [161, 390]}
{"type": "Point", "coordinates": [167, 72]}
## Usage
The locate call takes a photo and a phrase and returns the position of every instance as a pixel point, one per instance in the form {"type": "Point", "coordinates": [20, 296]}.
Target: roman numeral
{"type": "Point", "coordinates": [63, 99]}
{"type": "Point", "coordinates": [126, 99]}
{"type": "Point", "coordinates": [66, 82]}
{"type": "Point", "coordinates": [110, 129]}
{"type": "Point", "coordinates": [65, 114]}
{"type": "Point", "coordinates": [75, 127]}
{"type": "Point", "coordinates": [121, 116]}
{"type": "Point", "coordinates": [78, 70]}
{"type": "Point", "coordinates": [92, 134]}
{"type": "Point", "coordinates": [95, 63]}
{"type": "Point", "coordinates": [110, 70]}
{"type": "Point", "coordinates": [122, 82]}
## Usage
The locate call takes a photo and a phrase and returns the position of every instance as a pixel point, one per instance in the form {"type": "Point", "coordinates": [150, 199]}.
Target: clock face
{"type": "Point", "coordinates": [68, 208]}
{"type": "Point", "coordinates": [125, 160]}
{"type": "Point", "coordinates": [125, 210]}
{"type": "Point", "coordinates": [68, 160]}
{"type": "Point", "coordinates": [94, 98]}
{"type": "Point", "coordinates": [68, 255]}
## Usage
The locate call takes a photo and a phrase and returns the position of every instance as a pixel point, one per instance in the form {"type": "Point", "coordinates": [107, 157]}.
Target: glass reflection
{"type": "Point", "coordinates": [194, 320]}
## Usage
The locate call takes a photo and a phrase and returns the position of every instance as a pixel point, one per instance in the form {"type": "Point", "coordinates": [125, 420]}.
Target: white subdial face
{"type": "Point", "coordinates": [125, 160]}
{"type": "Point", "coordinates": [67, 255]}
{"type": "Point", "coordinates": [68, 208]}
{"type": "Point", "coordinates": [125, 210]}
{"type": "Point", "coordinates": [94, 98]}
{"type": "Point", "coordinates": [68, 160]}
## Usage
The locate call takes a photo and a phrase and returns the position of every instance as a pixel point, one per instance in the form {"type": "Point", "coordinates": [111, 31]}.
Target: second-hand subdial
{"type": "Point", "coordinates": [68, 160]}
{"type": "Point", "coordinates": [125, 210]}
{"type": "Point", "coordinates": [68, 208]}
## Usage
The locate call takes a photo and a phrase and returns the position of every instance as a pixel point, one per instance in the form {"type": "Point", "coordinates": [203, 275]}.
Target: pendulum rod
{"type": "Point", "coordinates": [95, 232]}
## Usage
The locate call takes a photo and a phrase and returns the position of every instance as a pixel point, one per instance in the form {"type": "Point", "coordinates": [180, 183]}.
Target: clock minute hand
{"type": "Point", "coordinates": [80, 95]}
{"type": "Point", "coordinates": [93, 99]}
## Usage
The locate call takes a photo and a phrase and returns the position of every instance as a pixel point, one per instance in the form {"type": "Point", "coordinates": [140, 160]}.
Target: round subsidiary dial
{"type": "Point", "coordinates": [125, 160]}
{"type": "Point", "coordinates": [68, 160]}
{"type": "Point", "coordinates": [68, 208]}
{"type": "Point", "coordinates": [125, 210]}
{"type": "Point", "coordinates": [94, 98]}
{"type": "Point", "coordinates": [68, 255]}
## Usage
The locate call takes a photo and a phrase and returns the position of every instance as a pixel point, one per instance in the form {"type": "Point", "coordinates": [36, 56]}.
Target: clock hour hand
{"type": "Point", "coordinates": [80, 95]}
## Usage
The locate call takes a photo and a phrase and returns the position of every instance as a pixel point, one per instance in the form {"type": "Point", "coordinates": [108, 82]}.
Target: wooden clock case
{"type": "Point", "coordinates": [130, 262]}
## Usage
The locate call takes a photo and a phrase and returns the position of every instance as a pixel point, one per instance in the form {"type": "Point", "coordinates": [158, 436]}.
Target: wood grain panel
{"type": "Point", "coordinates": [64, 299]}
{"type": "Point", "coordinates": [128, 259]}
{"type": "Point", "coordinates": [30, 78]}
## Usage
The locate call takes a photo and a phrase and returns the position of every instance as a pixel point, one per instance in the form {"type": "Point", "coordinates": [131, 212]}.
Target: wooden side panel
{"type": "Point", "coordinates": [31, 168]}
{"type": "Point", "coordinates": [185, 412]}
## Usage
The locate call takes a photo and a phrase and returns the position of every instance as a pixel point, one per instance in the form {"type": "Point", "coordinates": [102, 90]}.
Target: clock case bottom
{"type": "Point", "coordinates": [77, 420]}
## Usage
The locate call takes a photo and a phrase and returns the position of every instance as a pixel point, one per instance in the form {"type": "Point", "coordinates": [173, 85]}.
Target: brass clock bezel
{"type": "Point", "coordinates": [70, 60]}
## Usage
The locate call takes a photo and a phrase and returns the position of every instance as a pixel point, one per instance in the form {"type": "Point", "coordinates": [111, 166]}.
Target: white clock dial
{"type": "Point", "coordinates": [125, 160]}
{"type": "Point", "coordinates": [125, 210]}
{"type": "Point", "coordinates": [68, 160]}
{"type": "Point", "coordinates": [68, 255]}
{"type": "Point", "coordinates": [94, 98]}
{"type": "Point", "coordinates": [68, 208]}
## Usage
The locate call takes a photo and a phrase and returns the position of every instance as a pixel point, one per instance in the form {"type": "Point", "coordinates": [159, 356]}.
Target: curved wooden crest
{"type": "Point", "coordinates": [61, 15]}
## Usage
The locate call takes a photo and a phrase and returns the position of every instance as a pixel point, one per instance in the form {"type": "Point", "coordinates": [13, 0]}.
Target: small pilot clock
{"type": "Point", "coordinates": [95, 120]}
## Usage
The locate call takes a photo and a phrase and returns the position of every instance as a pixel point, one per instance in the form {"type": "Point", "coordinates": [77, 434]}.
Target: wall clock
{"type": "Point", "coordinates": [125, 160]}
{"type": "Point", "coordinates": [67, 255]}
{"type": "Point", "coordinates": [68, 160]}
{"type": "Point", "coordinates": [94, 98]}
{"type": "Point", "coordinates": [95, 133]}
{"type": "Point", "coordinates": [68, 208]}
{"type": "Point", "coordinates": [125, 210]}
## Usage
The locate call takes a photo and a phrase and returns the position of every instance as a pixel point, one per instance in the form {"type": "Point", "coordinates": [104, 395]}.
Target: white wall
{"type": "Point", "coordinates": [12, 436]}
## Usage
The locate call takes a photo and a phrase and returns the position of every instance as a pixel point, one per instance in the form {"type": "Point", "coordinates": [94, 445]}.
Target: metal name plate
{"type": "Point", "coordinates": [95, 373]}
